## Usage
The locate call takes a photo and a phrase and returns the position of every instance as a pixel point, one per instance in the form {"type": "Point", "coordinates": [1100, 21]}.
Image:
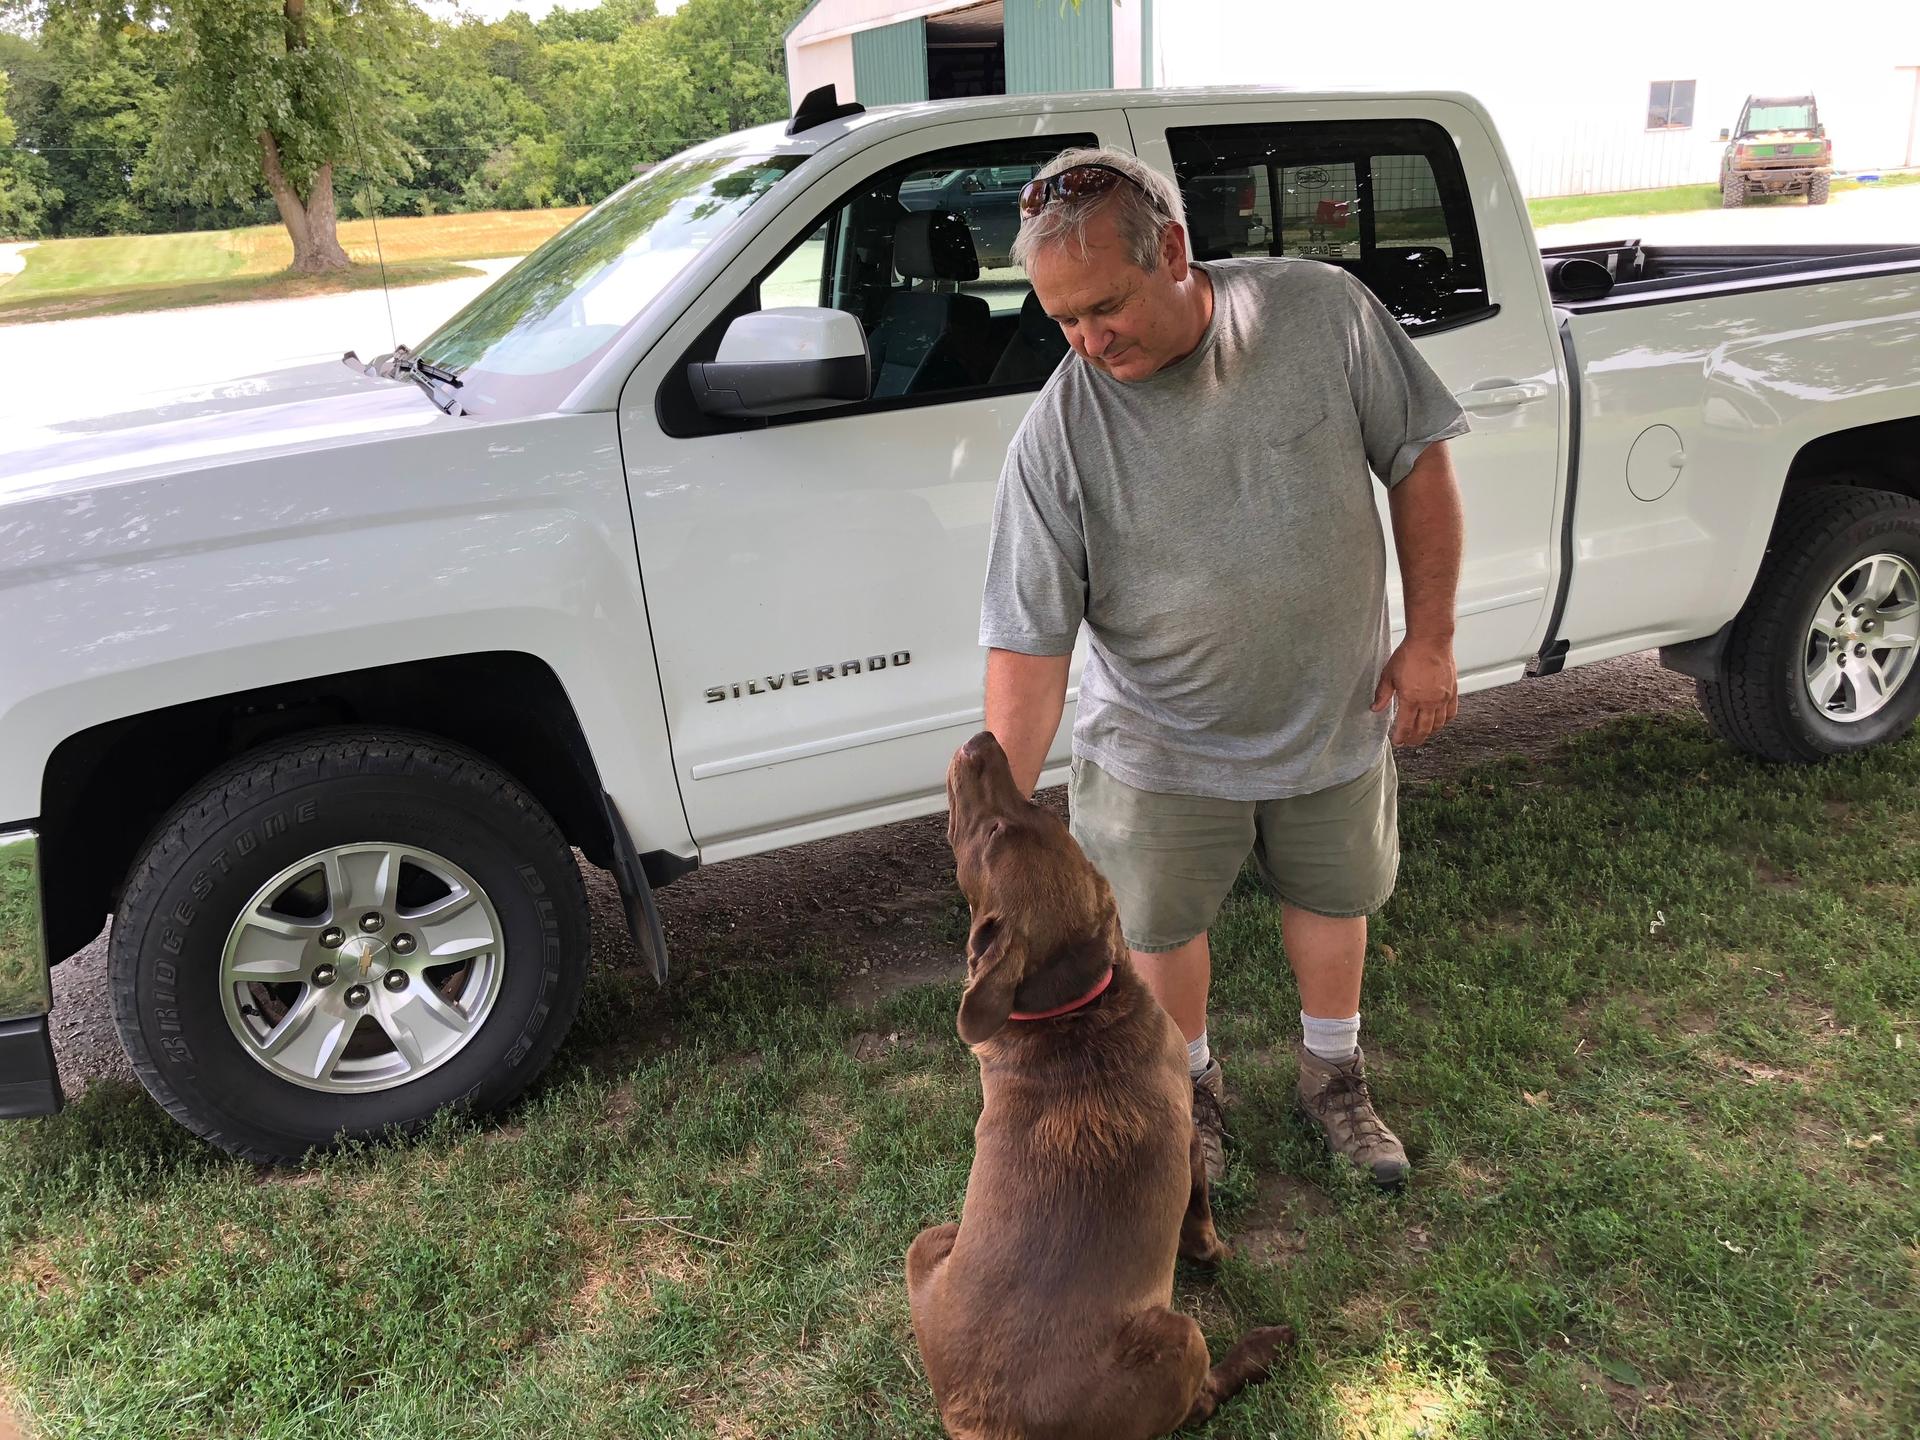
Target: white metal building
{"type": "Point", "coordinates": [1587, 98]}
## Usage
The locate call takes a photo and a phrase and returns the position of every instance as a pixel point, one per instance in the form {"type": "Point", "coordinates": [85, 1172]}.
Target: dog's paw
{"type": "Point", "coordinates": [1256, 1351]}
{"type": "Point", "coordinates": [1209, 1255]}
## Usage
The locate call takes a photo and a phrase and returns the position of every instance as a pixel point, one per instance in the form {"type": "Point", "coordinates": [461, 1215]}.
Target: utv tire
{"type": "Point", "coordinates": [1821, 661]}
{"type": "Point", "coordinates": [1817, 189]}
{"type": "Point", "coordinates": [1733, 190]}
{"type": "Point", "coordinates": [335, 937]}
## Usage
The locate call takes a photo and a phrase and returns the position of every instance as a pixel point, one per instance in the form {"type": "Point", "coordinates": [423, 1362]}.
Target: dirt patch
{"type": "Point", "coordinates": [622, 1272]}
{"type": "Point", "coordinates": [870, 987]}
{"type": "Point", "coordinates": [871, 1045]}
{"type": "Point", "coordinates": [1273, 1231]}
{"type": "Point", "coordinates": [35, 1271]}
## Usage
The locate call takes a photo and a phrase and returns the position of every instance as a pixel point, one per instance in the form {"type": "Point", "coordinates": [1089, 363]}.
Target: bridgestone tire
{"type": "Point", "coordinates": [1817, 189]}
{"type": "Point", "coordinates": [1733, 190]}
{"type": "Point", "coordinates": [271, 809]}
{"type": "Point", "coordinates": [1760, 702]}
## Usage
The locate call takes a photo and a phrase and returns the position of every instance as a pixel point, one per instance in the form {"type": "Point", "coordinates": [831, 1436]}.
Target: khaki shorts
{"type": "Point", "coordinates": [1171, 859]}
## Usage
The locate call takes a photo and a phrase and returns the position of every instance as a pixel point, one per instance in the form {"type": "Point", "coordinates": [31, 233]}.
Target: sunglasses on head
{"type": "Point", "coordinates": [1079, 182]}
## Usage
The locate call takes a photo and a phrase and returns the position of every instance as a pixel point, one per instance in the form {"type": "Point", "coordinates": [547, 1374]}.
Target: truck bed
{"type": "Point", "coordinates": [1656, 274]}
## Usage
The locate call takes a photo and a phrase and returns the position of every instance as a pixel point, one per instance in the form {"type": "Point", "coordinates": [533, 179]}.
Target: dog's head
{"type": "Point", "coordinates": [1044, 925]}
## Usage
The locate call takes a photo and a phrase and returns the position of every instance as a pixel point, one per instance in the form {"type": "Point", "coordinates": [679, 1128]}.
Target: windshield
{"type": "Point", "coordinates": [1797, 116]}
{"type": "Point", "coordinates": [537, 330]}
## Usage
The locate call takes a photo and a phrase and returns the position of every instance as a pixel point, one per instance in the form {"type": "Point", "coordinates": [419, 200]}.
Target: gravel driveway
{"type": "Point", "coordinates": [885, 895]}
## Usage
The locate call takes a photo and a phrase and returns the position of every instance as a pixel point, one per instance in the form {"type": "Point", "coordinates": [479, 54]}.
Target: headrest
{"type": "Point", "coordinates": [1036, 324]}
{"type": "Point", "coordinates": [935, 245]}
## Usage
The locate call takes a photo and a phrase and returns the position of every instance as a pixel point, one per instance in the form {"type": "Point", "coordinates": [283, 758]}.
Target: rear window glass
{"type": "Point", "coordinates": [1385, 199]}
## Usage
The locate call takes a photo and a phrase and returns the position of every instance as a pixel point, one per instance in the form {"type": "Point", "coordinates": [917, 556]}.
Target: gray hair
{"type": "Point", "coordinates": [1141, 211]}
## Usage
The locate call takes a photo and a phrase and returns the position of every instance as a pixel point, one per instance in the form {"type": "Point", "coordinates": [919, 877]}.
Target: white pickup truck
{"type": "Point", "coordinates": [669, 548]}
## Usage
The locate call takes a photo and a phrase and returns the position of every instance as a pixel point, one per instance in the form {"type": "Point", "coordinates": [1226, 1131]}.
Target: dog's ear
{"type": "Point", "coordinates": [993, 974]}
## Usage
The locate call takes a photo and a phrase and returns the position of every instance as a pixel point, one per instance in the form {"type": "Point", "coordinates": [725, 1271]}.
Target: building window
{"type": "Point", "coordinates": [1670, 105]}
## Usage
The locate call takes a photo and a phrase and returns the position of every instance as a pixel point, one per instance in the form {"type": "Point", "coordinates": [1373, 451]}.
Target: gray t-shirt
{"type": "Point", "coordinates": [1214, 528]}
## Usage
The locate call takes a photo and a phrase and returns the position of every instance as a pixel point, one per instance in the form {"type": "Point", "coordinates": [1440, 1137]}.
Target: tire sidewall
{"type": "Point", "coordinates": [1890, 533]}
{"type": "Point", "coordinates": [173, 938]}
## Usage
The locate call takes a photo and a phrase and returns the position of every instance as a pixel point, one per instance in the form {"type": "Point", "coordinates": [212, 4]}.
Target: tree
{"type": "Point", "coordinates": [616, 106]}
{"type": "Point", "coordinates": [459, 117]}
{"type": "Point", "coordinates": [282, 94]}
{"type": "Point", "coordinates": [735, 55]}
{"type": "Point", "coordinates": [23, 197]}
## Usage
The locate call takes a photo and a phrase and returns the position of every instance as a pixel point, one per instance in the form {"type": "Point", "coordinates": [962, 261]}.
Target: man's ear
{"type": "Point", "coordinates": [1173, 252]}
{"type": "Point", "coordinates": [993, 974]}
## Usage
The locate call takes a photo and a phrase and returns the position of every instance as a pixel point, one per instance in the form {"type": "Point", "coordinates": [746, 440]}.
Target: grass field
{"type": "Point", "coordinates": [20, 962]}
{"type": "Point", "coordinates": [1645, 1013]}
{"type": "Point", "coordinates": [1565, 209]}
{"type": "Point", "coordinates": [66, 279]}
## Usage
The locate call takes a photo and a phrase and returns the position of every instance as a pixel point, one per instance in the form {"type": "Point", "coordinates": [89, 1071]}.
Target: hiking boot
{"type": "Point", "coordinates": [1210, 1119]}
{"type": "Point", "coordinates": [1333, 1095]}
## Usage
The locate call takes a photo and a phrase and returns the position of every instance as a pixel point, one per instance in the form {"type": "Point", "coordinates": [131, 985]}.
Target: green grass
{"type": "Point", "coordinates": [1566, 209]}
{"type": "Point", "coordinates": [66, 279]}
{"type": "Point", "coordinates": [1630, 204]}
{"type": "Point", "coordinates": [1645, 1015]}
{"type": "Point", "coordinates": [20, 962]}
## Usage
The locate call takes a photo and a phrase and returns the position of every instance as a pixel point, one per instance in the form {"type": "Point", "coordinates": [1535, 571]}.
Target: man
{"type": "Point", "coordinates": [1192, 485]}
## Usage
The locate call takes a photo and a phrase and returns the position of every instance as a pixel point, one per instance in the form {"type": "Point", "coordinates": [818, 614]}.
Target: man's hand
{"type": "Point", "coordinates": [1421, 673]}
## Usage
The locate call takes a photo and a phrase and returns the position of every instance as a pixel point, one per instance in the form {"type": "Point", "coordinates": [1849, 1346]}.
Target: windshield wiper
{"type": "Point", "coordinates": [438, 381]}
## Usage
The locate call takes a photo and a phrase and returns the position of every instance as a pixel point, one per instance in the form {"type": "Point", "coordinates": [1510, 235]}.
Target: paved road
{"type": "Point", "coordinates": [71, 367]}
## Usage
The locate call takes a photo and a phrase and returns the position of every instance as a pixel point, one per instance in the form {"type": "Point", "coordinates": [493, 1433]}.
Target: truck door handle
{"type": "Point", "coordinates": [1500, 395]}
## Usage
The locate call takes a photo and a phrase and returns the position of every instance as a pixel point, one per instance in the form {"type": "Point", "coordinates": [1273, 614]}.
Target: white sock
{"type": "Point", "coordinates": [1333, 1040]}
{"type": "Point", "coordinates": [1198, 1056]}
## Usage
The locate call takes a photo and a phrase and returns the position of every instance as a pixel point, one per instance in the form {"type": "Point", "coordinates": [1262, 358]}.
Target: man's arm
{"type": "Point", "coordinates": [1025, 695]}
{"type": "Point", "coordinates": [1429, 528]}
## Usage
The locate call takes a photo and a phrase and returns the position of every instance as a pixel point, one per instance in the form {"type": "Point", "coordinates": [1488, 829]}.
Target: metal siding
{"type": "Point", "coordinates": [890, 63]}
{"type": "Point", "coordinates": [1052, 47]}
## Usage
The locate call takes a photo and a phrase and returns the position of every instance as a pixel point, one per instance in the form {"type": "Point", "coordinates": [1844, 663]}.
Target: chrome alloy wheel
{"type": "Point", "coordinates": [1860, 645]}
{"type": "Point", "coordinates": [362, 967]}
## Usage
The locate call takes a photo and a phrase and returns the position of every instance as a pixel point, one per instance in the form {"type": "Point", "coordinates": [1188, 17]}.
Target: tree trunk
{"type": "Point", "coordinates": [309, 222]}
{"type": "Point", "coordinates": [322, 236]}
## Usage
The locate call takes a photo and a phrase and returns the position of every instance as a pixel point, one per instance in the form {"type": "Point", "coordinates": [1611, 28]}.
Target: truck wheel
{"type": "Point", "coordinates": [1817, 189]}
{"type": "Point", "coordinates": [337, 936]}
{"type": "Point", "coordinates": [1821, 660]}
{"type": "Point", "coordinates": [1733, 190]}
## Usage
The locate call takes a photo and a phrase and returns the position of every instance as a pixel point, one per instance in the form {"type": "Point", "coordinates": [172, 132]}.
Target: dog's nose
{"type": "Point", "coordinates": [980, 748]}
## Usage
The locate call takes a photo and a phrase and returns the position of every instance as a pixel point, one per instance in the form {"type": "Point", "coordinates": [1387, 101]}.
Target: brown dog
{"type": "Point", "coordinates": [1045, 1311]}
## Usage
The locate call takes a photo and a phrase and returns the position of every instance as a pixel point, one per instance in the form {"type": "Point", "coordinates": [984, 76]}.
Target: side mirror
{"type": "Point", "coordinates": [1726, 134]}
{"type": "Point", "coordinates": [774, 362]}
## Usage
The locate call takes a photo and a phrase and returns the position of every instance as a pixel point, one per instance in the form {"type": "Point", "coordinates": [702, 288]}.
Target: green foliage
{"type": "Point", "coordinates": [23, 181]}
{"type": "Point", "coordinates": [314, 75]}
{"type": "Point", "coordinates": [149, 119]}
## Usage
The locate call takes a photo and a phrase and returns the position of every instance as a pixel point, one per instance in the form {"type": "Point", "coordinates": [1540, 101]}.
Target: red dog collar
{"type": "Point", "coordinates": [1072, 1005]}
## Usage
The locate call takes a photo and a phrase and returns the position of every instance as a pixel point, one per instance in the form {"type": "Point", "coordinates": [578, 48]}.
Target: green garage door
{"type": "Point", "coordinates": [1053, 47]}
{"type": "Point", "coordinates": [890, 64]}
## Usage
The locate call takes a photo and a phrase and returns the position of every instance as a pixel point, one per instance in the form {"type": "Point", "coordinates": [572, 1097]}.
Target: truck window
{"type": "Point", "coordinates": [1386, 199]}
{"type": "Point", "coordinates": [922, 254]}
